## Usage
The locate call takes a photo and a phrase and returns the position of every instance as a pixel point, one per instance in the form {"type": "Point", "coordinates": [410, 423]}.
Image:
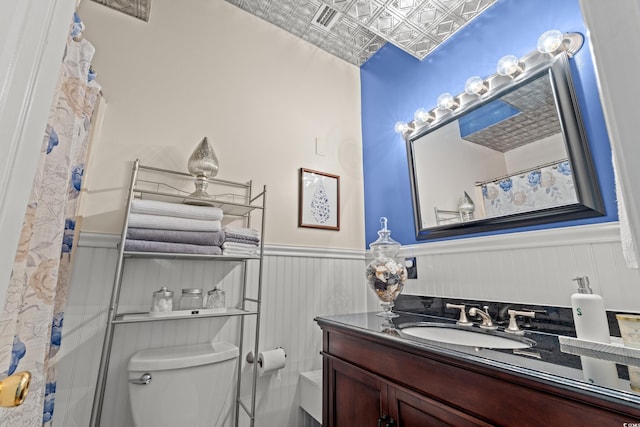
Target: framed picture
{"type": "Point", "coordinates": [319, 200]}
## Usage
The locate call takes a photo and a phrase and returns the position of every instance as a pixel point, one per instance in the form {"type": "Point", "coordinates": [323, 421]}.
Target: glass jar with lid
{"type": "Point", "coordinates": [216, 299]}
{"type": "Point", "coordinates": [162, 301]}
{"type": "Point", "coordinates": [386, 274]}
{"type": "Point", "coordinates": [191, 299]}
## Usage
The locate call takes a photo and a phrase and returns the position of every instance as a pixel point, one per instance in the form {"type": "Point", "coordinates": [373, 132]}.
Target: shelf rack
{"type": "Point", "coordinates": [236, 200]}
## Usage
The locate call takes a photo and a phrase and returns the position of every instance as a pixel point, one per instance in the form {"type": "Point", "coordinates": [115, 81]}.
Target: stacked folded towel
{"type": "Point", "coordinates": [241, 241]}
{"type": "Point", "coordinates": [156, 226]}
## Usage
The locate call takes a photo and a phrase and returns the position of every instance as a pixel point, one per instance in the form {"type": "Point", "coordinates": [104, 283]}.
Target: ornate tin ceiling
{"type": "Point", "coordinates": [353, 29]}
{"type": "Point", "coordinates": [136, 8]}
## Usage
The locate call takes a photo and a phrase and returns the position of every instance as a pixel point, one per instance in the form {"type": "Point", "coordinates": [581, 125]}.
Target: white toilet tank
{"type": "Point", "coordinates": [189, 385]}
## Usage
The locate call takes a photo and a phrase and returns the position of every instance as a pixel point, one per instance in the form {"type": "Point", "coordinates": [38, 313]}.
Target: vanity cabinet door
{"type": "Point", "coordinates": [410, 409]}
{"type": "Point", "coordinates": [356, 398]}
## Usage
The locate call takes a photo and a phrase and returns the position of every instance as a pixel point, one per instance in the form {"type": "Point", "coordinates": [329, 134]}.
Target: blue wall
{"type": "Point", "coordinates": [394, 84]}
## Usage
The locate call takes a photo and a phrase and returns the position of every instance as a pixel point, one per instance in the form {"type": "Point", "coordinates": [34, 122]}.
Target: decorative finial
{"type": "Point", "coordinates": [202, 164]}
{"type": "Point", "coordinates": [383, 223]}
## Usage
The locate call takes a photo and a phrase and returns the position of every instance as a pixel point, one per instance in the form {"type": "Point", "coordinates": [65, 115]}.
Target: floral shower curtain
{"type": "Point", "coordinates": [31, 323]}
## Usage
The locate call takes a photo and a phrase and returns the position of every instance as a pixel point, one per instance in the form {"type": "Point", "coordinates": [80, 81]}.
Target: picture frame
{"type": "Point", "coordinates": [319, 200]}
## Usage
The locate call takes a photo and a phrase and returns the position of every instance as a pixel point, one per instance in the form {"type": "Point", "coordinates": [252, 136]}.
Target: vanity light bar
{"type": "Point", "coordinates": [510, 66]}
{"type": "Point", "coordinates": [475, 86]}
{"type": "Point", "coordinates": [446, 101]}
{"type": "Point", "coordinates": [422, 116]}
{"type": "Point", "coordinates": [403, 128]}
{"type": "Point", "coordinates": [551, 43]}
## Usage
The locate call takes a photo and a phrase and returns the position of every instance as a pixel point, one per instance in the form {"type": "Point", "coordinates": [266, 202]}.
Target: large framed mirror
{"type": "Point", "coordinates": [519, 156]}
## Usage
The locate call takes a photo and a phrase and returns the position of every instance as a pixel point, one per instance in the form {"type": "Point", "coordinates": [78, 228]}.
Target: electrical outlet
{"type": "Point", "coordinates": [412, 269]}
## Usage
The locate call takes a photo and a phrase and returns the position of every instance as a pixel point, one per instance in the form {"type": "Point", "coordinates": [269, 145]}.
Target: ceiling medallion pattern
{"type": "Point", "coordinates": [355, 29]}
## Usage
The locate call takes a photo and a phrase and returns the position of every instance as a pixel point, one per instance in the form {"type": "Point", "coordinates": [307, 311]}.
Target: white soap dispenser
{"type": "Point", "coordinates": [590, 320]}
{"type": "Point", "coordinates": [589, 314]}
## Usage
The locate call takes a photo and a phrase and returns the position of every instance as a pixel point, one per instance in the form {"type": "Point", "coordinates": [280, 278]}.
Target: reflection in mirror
{"type": "Point", "coordinates": [508, 156]}
{"type": "Point", "coordinates": [519, 157]}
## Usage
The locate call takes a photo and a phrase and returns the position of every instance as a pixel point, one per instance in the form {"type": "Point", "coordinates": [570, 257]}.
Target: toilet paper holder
{"type": "Point", "coordinates": [251, 358]}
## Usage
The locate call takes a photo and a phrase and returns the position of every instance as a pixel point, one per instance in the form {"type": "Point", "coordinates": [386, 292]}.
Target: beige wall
{"type": "Point", "coordinates": [261, 96]}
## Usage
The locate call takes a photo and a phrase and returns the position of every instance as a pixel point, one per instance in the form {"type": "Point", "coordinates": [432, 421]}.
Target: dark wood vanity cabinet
{"type": "Point", "coordinates": [370, 381]}
{"type": "Point", "coordinates": [360, 398]}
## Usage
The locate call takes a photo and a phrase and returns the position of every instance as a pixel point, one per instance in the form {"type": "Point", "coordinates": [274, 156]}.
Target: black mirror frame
{"type": "Point", "coordinates": [590, 203]}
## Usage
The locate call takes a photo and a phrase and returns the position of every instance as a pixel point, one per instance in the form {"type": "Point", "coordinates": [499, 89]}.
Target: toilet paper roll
{"type": "Point", "coordinates": [270, 361]}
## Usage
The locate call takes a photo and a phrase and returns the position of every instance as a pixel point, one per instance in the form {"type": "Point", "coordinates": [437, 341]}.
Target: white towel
{"type": "Point", "coordinates": [240, 246]}
{"type": "Point", "coordinates": [629, 250]}
{"type": "Point", "coordinates": [157, 207]}
{"type": "Point", "coordinates": [172, 223]}
{"type": "Point", "coordinates": [231, 248]}
{"type": "Point", "coordinates": [238, 252]}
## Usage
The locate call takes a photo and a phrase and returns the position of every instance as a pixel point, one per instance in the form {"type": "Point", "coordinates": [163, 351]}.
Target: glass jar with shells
{"type": "Point", "coordinates": [386, 274]}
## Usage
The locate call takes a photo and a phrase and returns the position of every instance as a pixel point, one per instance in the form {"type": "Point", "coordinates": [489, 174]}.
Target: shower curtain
{"type": "Point", "coordinates": [31, 322]}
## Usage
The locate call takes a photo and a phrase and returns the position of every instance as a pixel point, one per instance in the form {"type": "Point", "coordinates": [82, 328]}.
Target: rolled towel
{"type": "Point", "coordinates": [204, 238]}
{"type": "Point", "coordinates": [182, 248]}
{"type": "Point", "coordinates": [158, 207]}
{"type": "Point", "coordinates": [137, 220]}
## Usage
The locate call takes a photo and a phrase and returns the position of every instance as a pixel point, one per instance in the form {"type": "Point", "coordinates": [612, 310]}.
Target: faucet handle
{"type": "Point", "coordinates": [513, 324]}
{"type": "Point", "coordinates": [462, 321]}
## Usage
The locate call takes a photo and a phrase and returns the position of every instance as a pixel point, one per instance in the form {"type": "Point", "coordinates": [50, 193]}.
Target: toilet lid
{"type": "Point", "coordinates": [158, 359]}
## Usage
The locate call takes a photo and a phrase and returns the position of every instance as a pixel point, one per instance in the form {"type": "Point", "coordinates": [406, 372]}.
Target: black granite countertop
{"type": "Point", "coordinates": [544, 361]}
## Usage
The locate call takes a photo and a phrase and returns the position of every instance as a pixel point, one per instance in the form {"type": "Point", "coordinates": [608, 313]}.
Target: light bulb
{"type": "Point", "coordinates": [509, 65]}
{"type": "Point", "coordinates": [422, 116]}
{"type": "Point", "coordinates": [401, 127]}
{"type": "Point", "coordinates": [447, 101]}
{"type": "Point", "coordinates": [475, 86]}
{"type": "Point", "coordinates": [550, 41]}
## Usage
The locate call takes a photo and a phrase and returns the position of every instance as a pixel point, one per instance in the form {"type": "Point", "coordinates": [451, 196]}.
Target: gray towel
{"type": "Point", "coordinates": [245, 241]}
{"type": "Point", "coordinates": [204, 238]}
{"type": "Point", "coordinates": [242, 233]}
{"type": "Point", "coordinates": [182, 248]}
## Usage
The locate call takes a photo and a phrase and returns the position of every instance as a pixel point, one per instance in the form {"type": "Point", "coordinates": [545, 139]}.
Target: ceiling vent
{"type": "Point", "coordinates": [325, 17]}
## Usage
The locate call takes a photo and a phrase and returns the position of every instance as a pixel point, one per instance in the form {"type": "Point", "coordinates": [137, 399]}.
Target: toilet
{"type": "Point", "coordinates": [182, 386]}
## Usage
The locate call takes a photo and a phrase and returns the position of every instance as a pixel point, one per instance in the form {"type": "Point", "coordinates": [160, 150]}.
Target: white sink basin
{"type": "Point", "coordinates": [450, 334]}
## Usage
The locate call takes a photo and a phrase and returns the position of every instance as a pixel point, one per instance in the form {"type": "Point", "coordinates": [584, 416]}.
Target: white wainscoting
{"type": "Point", "coordinates": [530, 268]}
{"type": "Point", "coordinates": [84, 325]}
{"type": "Point", "coordinates": [300, 283]}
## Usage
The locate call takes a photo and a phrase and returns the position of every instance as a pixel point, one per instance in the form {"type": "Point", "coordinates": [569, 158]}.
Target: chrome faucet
{"type": "Point", "coordinates": [487, 322]}
{"type": "Point", "coordinates": [462, 321]}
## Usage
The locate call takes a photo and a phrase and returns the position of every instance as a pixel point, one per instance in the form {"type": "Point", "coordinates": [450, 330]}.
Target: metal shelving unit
{"type": "Point", "coordinates": [236, 200]}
